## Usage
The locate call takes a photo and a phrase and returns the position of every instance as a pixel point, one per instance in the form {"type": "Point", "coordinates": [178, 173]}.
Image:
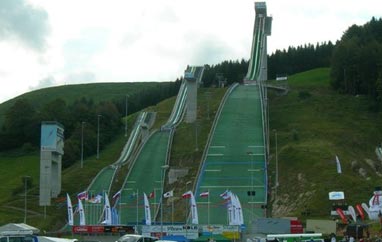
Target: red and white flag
{"type": "Point", "coordinates": [226, 195]}
{"type": "Point", "coordinates": [204, 194]}
{"type": "Point", "coordinates": [187, 194]}
{"type": "Point", "coordinates": [82, 195]}
{"type": "Point", "coordinates": [151, 195]}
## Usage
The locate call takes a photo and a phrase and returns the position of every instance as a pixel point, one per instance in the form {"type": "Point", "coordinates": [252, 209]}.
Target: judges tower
{"type": "Point", "coordinates": [52, 149]}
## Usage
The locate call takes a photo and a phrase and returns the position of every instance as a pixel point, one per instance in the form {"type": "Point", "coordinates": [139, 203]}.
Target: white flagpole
{"type": "Point", "coordinates": [120, 208]}
{"type": "Point", "coordinates": [208, 208]}
{"type": "Point", "coordinates": [156, 202]}
{"type": "Point", "coordinates": [172, 211]}
{"type": "Point", "coordinates": [137, 211]}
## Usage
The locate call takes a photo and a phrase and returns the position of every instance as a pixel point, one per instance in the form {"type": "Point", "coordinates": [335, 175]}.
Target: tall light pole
{"type": "Point", "coordinates": [126, 105]}
{"type": "Point", "coordinates": [82, 144]}
{"type": "Point", "coordinates": [25, 178]}
{"type": "Point", "coordinates": [277, 164]}
{"type": "Point", "coordinates": [98, 118]}
{"type": "Point", "coordinates": [208, 105]}
{"type": "Point", "coordinates": [163, 170]}
{"type": "Point", "coordinates": [196, 135]}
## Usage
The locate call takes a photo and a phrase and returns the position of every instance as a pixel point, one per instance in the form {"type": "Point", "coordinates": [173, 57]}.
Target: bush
{"type": "Point", "coordinates": [304, 94]}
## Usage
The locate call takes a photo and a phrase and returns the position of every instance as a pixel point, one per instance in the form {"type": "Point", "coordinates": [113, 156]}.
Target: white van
{"type": "Point", "coordinates": [136, 238]}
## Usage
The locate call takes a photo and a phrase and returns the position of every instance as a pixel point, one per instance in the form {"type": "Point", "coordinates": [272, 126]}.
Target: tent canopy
{"type": "Point", "coordinates": [18, 229]}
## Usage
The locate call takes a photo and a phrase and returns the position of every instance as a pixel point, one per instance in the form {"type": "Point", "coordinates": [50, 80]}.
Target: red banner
{"type": "Point", "coordinates": [95, 229]}
{"type": "Point", "coordinates": [296, 227]}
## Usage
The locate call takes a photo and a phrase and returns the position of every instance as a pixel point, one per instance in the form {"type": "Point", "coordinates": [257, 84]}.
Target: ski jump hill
{"type": "Point", "coordinates": [234, 159]}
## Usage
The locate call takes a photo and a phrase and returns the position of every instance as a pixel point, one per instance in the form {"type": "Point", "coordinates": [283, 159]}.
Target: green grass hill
{"type": "Point", "coordinates": [313, 125]}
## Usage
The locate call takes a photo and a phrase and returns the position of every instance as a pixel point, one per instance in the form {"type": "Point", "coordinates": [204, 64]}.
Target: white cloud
{"type": "Point", "coordinates": [24, 23]}
{"type": "Point", "coordinates": [154, 40]}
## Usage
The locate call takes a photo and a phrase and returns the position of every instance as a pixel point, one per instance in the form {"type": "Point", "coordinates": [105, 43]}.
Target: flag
{"type": "Point", "coordinates": [152, 194]}
{"type": "Point", "coordinates": [194, 210]}
{"type": "Point", "coordinates": [82, 195]}
{"type": "Point", "coordinates": [204, 194]}
{"type": "Point", "coordinates": [81, 212]}
{"type": "Point", "coordinates": [70, 210]}
{"type": "Point", "coordinates": [225, 195]}
{"type": "Point", "coordinates": [187, 194]}
{"type": "Point", "coordinates": [107, 210]}
{"type": "Point", "coordinates": [339, 170]}
{"type": "Point", "coordinates": [169, 194]}
{"type": "Point", "coordinates": [96, 199]}
{"type": "Point", "coordinates": [116, 195]}
{"type": "Point", "coordinates": [147, 209]}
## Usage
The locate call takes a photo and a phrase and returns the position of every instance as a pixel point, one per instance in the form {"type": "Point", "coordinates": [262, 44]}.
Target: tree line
{"type": "Point", "coordinates": [357, 61]}
{"type": "Point", "coordinates": [282, 62]}
{"type": "Point", "coordinates": [22, 124]}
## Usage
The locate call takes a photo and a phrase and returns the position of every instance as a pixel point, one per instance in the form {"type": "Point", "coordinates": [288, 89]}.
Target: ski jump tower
{"type": "Point", "coordinates": [193, 76]}
{"type": "Point", "coordinates": [52, 149]}
{"type": "Point", "coordinates": [258, 66]}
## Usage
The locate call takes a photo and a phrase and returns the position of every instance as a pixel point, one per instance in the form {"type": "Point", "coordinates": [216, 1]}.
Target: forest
{"type": "Point", "coordinates": [21, 127]}
{"type": "Point", "coordinates": [357, 61]}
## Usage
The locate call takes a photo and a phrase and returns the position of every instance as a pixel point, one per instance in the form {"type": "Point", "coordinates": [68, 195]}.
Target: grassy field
{"type": "Point", "coordinates": [313, 125]}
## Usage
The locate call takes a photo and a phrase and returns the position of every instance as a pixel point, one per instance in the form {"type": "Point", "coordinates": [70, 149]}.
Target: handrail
{"type": "Point", "coordinates": [132, 139]}
{"type": "Point", "coordinates": [123, 154]}
{"type": "Point", "coordinates": [264, 141]}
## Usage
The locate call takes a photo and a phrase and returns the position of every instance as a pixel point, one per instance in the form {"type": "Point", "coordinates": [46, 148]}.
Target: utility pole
{"type": "Point", "coordinates": [98, 118]}
{"type": "Point", "coordinates": [126, 105]}
{"type": "Point", "coordinates": [163, 170]}
{"type": "Point", "coordinates": [82, 144]}
{"type": "Point", "coordinates": [25, 178]}
{"type": "Point", "coordinates": [277, 165]}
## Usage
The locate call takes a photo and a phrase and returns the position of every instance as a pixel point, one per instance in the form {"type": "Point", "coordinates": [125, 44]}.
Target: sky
{"type": "Point", "coordinates": [46, 43]}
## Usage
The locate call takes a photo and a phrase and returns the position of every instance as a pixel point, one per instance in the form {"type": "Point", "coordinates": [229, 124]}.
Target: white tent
{"type": "Point", "coordinates": [18, 229]}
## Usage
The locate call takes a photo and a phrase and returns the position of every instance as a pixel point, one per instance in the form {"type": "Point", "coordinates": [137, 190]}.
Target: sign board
{"type": "Point", "coordinates": [321, 226]}
{"type": "Point", "coordinates": [87, 229]}
{"type": "Point", "coordinates": [188, 231]}
{"type": "Point", "coordinates": [220, 229]}
{"type": "Point", "coordinates": [336, 195]}
{"type": "Point", "coordinates": [189, 75]}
